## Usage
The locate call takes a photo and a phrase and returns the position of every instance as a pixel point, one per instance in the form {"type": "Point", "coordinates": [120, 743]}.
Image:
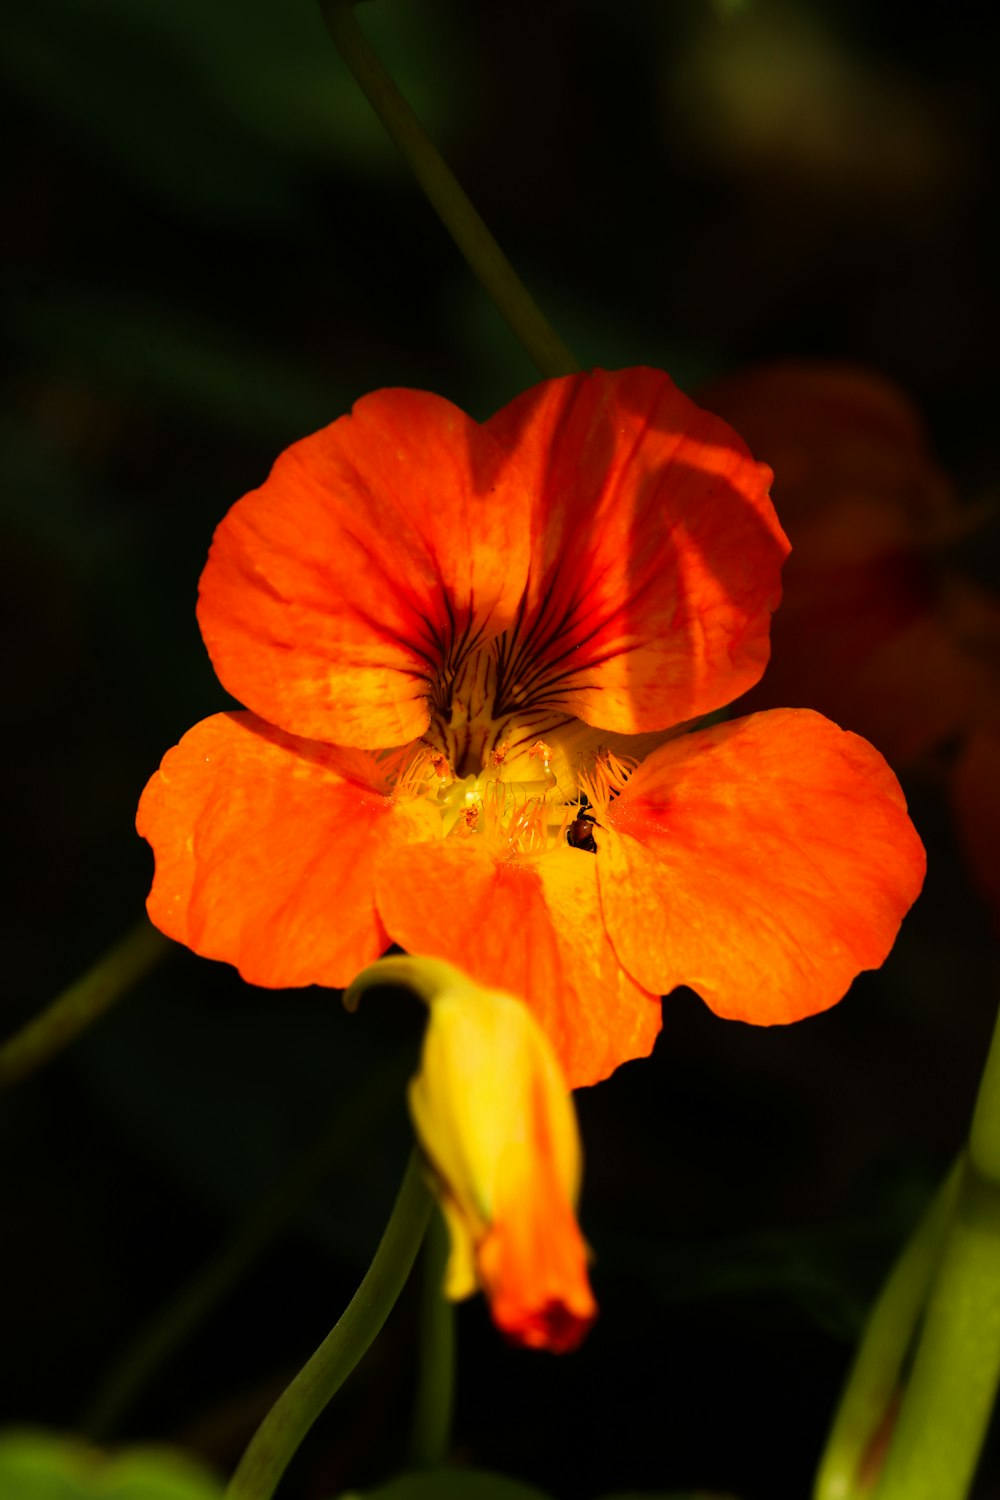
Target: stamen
{"type": "Point", "coordinates": [606, 777]}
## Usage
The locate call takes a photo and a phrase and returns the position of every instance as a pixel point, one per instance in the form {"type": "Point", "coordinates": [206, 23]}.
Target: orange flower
{"type": "Point", "coordinates": [467, 651]}
{"type": "Point", "coordinates": [873, 629]}
{"type": "Point", "coordinates": [496, 1123]}
{"type": "Point", "coordinates": [878, 627]}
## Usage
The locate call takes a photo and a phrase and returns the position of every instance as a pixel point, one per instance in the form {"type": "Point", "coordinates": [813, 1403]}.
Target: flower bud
{"type": "Point", "coordinates": [497, 1125]}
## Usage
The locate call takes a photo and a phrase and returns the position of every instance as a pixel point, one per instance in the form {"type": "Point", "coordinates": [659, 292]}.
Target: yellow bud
{"type": "Point", "coordinates": [497, 1125]}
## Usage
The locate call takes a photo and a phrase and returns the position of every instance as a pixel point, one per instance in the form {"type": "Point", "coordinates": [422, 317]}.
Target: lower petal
{"type": "Point", "coordinates": [530, 927]}
{"type": "Point", "coordinates": [764, 863]}
{"type": "Point", "coordinates": [265, 851]}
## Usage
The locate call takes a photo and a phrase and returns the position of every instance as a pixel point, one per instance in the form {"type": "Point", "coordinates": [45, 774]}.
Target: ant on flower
{"type": "Point", "coordinates": [580, 833]}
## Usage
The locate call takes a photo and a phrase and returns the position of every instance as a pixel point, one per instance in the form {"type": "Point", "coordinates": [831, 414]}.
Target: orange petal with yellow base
{"type": "Point", "coordinates": [656, 553]}
{"type": "Point", "coordinates": [763, 862]}
{"type": "Point", "coordinates": [265, 851]}
{"type": "Point", "coordinates": [336, 592]}
{"type": "Point", "coordinates": [532, 1261]}
{"type": "Point", "coordinates": [533, 927]}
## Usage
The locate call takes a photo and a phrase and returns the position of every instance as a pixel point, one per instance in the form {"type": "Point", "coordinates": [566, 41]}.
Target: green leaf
{"type": "Point", "coordinates": [47, 1466]}
{"type": "Point", "coordinates": [450, 1484]}
{"type": "Point", "coordinates": [222, 109]}
{"type": "Point", "coordinates": [206, 372]}
{"type": "Point", "coordinates": [257, 1092]}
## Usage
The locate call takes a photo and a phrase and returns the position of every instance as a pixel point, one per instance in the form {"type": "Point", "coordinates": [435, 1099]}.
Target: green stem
{"type": "Point", "coordinates": [286, 1424]}
{"type": "Point", "coordinates": [436, 1379]}
{"type": "Point", "coordinates": [875, 1374]}
{"type": "Point", "coordinates": [984, 1138]}
{"type": "Point", "coordinates": [83, 1003]}
{"type": "Point", "coordinates": [174, 1324]}
{"type": "Point", "coordinates": [951, 1391]}
{"type": "Point", "coordinates": [487, 261]}
{"type": "Point", "coordinates": [426, 977]}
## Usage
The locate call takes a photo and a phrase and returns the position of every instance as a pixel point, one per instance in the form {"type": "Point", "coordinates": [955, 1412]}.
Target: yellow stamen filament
{"type": "Point", "coordinates": [515, 804]}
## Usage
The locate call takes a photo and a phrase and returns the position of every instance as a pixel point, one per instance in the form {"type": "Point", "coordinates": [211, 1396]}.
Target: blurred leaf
{"type": "Point", "coordinates": [218, 107]}
{"type": "Point", "coordinates": [212, 375]}
{"type": "Point", "coordinates": [224, 1097]}
{"type": "Point", "coordinates": [45, 1466]}
{"type": "Point", "coordinates": [828, 1272]}
{"type": "Point", "coordinates": [450, 1484]}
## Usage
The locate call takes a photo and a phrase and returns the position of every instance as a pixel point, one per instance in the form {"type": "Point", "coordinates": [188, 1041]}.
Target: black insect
{"type": "Point", "coordinates": [580, 833]}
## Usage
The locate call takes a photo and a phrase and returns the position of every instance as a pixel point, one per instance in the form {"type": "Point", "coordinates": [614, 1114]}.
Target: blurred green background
{"type": "Point", "coordinates": [210, 251]}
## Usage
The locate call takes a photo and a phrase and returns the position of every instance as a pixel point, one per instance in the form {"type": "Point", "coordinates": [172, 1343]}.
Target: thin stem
{"type": "Point", "coordinates": [175, 1323]}
{"type": "Point", "coordinates": [875, 1374]}
{"type": "Point", "coordinates": [436, 1379]}
{"type": "Point", "coordinates": [286, 1424]}
{"type": "Point", "coordinates": [950, 1394]}
{"type": "Point", "coordinates": [82, 1004]}
{"type": "Point", "coordinates": [487, 261]}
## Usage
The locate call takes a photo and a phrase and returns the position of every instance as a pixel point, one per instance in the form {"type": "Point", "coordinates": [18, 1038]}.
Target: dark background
{"type": "Point", "coordinates": [210, 251]}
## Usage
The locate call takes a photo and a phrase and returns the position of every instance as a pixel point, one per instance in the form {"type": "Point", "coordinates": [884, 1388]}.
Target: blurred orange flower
{"type": "Point", "coordinates": [468, 652]}
{"type": "Point", "coordinates": [876, 628]}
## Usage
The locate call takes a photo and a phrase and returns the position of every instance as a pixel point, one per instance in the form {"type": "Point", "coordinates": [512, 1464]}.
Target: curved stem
{"type": "Point", "coordinates": [286, 1424]}
{"type": "Point", "coordinates": [82, 1003]}
{"type": "Point", "coordinates": [956, 1372]}
{"type": "Point", "coordinates": [495, 273]}
{"type": "Point", "coordinates": [219, 1277]}
{"type": "Point", "coordinates": [874, 1377]}
{"type": "Point", "coordinates": [436, 1380]}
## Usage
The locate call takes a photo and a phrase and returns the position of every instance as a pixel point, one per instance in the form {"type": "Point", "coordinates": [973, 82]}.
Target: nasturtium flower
{"type": "Point", "coordinates": [496, 1124]}
{"type": "Point", "coordinates": [468, 652]}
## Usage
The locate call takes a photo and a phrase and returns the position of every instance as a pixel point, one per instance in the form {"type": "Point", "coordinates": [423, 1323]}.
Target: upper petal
{"type": "Point", "coordinates": [763, 862]}
{"type": "Point", "coordinates": [265, 851]}
{"type": "Point", "coordinates": [656, 552]}
{"type": "Point", "coordinates": [374, 550]}
{"type": "Point", "coordinates": [531, 927]}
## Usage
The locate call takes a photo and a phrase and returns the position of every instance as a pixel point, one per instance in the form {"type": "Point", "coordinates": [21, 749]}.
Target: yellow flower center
{"type": "Point", "coordinates": [521, 777]}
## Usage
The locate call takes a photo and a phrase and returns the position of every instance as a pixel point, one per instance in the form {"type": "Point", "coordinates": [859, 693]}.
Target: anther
{"type": "Point", "coordinates": [441, 767]}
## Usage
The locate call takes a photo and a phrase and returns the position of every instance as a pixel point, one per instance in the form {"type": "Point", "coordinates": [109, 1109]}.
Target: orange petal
{"type": "Point", "coordinates": [656, 552]}
{"type": "Point", "coordinates": [335, 593]}
{"type": "Point", "coordinates": [531, 927]}
{"type": "Point", "coordinates": [265, 851]}
{"type": "Point", "coordinates": [763, 862]}
{"type": "Point", "coordinates": [532, 1261]}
